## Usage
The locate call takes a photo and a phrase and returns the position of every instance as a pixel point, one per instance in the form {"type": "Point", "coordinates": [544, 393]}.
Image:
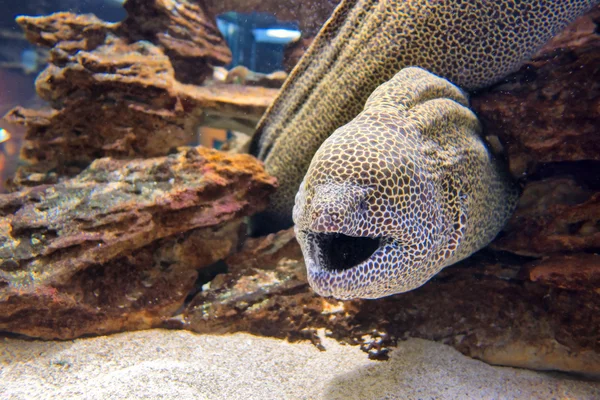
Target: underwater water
{"type": "Point", "coordinates": [300, 200]}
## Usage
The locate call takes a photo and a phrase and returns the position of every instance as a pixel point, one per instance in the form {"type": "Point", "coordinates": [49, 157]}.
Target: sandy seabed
{"type": "Point", "coordinates": [162, 364]}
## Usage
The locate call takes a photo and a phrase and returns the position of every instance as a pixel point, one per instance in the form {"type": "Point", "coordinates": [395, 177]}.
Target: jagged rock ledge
{"type": "Point", "coordinates": [504, 310]}
{"type": "Point", "coordinates": [118, 247]}
{"type": "Point", "coordinates": [548, 117]}
{"type": "Point", "coordinates": [116, 90]}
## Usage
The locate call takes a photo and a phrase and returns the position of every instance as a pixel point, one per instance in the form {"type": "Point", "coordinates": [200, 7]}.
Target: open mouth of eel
{"type": "Point", "coordinates": [339, 252]}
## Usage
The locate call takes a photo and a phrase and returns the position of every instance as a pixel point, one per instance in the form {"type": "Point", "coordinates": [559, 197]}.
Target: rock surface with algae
{"type": "Point", "coordinates": [118, 247]}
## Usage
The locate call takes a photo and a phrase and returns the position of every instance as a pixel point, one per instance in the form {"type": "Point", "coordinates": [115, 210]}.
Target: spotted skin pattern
{"type": "Point", "coordinates": [412, 170]}
{"type": "Point", "coordinates": [473, 43]}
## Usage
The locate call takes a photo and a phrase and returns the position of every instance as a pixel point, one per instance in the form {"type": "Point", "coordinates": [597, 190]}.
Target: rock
{"type": "Point", "coordinates": [241, 75]}
{"type": "Point", "coordinates": [114, 98]}
{"type": "Point", "coordinates": [264, 292]}
{"type": "Point", "coordinates": [117, 247]}
{"type": "Point", "coordinates": [549, 111]}
{"type": "Point", "coordinates": [573, 272]}
{"type": "Point", "coordinates": [553, 215]}
{"type": "Point", "coordinates": [547, 116]}
{"type": "Point", "coordinates": [488, 309]}
{"type": "Point", "coordinates": [502, 310]}
{"type": "Point", "coordinates": [184, 30]}
{"type": "Point", "coordinates": [66, 31]}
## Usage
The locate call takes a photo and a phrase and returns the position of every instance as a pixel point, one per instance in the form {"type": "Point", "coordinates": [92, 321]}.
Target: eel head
{"type": "Point", "coordinates": [361, 240]}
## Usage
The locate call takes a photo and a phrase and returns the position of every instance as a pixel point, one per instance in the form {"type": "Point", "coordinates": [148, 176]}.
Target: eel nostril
{"type": "Point", "coordinates": [363, 206]}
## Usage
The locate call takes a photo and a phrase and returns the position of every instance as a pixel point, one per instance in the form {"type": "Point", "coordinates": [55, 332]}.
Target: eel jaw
{"type": "Point", "coordinates": [335, 261]}
{"type": "Point", "coordinates": [339, 252]}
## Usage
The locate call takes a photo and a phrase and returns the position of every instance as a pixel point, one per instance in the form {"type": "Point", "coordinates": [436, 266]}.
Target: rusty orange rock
{"type": "Point", "coordinates": [116, 89]}
{"type": "Point", "coordinates": [118, 247]}
{"type": "Point", "coordinates": [574, 272]}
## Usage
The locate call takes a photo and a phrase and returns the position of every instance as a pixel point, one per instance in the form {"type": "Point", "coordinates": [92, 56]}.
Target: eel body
{"type": "Point", "coordinates": [403, 190]}
{"type": "Point", "coordinates": [472, 43]}
{"type": "Point", "coordinates": [407, 187]}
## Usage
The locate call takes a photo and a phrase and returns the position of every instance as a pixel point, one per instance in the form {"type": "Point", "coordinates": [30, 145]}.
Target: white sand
{"type": "Point", "coordinates": [160, 364]}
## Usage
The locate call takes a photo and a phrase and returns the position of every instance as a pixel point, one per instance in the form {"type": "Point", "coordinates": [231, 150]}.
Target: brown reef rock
{"type": "Point", "coordinates": [244, 76]}
{"type": "Point", "coordinates": [118, 246]}
{"type": "Point", "coordinates": [113, 97]}
{"type": "Point", "coordinates": [549, 111]}
{"type": "Point", "coordinates": [503, 310]}
{"type": "Point", "coordinates": [184, 30]}
{"type": "Point", "coordinates": [180, 29]}
{"type": "Point", "coordinates": [548, 117]}
{"type": "Point", "coordinates": [574, 272]}
{"type": "Point", "coordinates": [554, 215]}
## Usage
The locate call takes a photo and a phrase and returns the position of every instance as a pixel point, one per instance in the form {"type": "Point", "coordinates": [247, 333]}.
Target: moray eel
{"type": "Point", "coordinates": [471, 43]}
{"type": "Point", "coordinates": [403, 190]}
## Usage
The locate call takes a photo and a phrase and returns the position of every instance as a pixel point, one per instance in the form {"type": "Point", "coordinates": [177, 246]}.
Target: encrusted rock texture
{"type": "Point", "coordinates": [116, 89]}
{"type": "Point", "coordinates": [548, 117]}
{"type": "Point", "coordinates": [118, 247]}
{"type": "Point", "coordinates": [244, 76]}
{"type": "Point", "coordinates": [503, 309]}
{"type": "Point", "coordinates": [186, 31]}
